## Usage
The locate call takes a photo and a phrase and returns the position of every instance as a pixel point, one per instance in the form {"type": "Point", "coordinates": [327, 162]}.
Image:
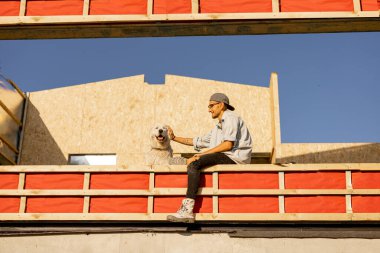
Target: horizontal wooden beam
{"type": "Point", "coordinates": [182, 168]}
{"type": "Point", "coordinates": [199, 217]}
{"type": "Point", "coordinates": [182, 192]}
{"type": "Point", "coordinates": [243, 230]}
{"type": "Point", "coordinates": [20, 28]}
{"type": "Point", "coordinates": [28, 20]}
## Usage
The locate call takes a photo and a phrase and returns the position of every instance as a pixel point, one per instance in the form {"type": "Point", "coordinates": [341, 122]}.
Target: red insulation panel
{"type": "Point", "coordinates": [9, 205]}
{"type": "Point", "coordinates": [370, 5]}
{"type": "Point", "coordinates": [315, 180]}
{"type": "Point", "coordinates": [251, 204]}
{"type": "Point", "coordinates": [54, 7]}
{"type": "Point", "coordinates": [118, 205]}
{"type": "Point", "coordinates": [316, 5]}
{"type": "Point", "coordinates": [366, 180]}
{"type": "Point", "coordinates": [54, 205]}
{"type": "Point", "coordinates": [171, 204]}
{"type": "Point", "coordinates": [139, 181]}
{"type": "Point", "coordinates": [365, 204]}
{"type": "Point", "coordinates": [171, 7]}
{"type": "Point", "coordinates": [9, 8]}
{"type": "Point", "coordinates": [248, 180]}
{"type": "Point", "coordinates": [315, 204]}
{"type": "Point", "coordinates": [9, 181]}
{"type": "Point", "coordinates": [68, 181]}
{"type": "Point", "coordinates": [118, 7]}
{"type": "Point", "coordinates": [235, 6]}
{"type": "Point", "coordinates": [179, 180]}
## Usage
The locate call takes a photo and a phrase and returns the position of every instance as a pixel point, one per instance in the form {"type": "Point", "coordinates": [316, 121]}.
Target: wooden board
{"type": "Point", "coordinates": [12, 28]}
{"type": "Point", "coordinates": [279, 199]}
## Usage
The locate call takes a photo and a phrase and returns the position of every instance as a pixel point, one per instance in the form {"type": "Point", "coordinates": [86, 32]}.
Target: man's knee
{"type": "Point", "coordinates": [193, 167]}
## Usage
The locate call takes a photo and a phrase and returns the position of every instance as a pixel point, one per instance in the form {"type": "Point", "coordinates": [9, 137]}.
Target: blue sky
{"type": "Point", "coordinates": [329, 83]}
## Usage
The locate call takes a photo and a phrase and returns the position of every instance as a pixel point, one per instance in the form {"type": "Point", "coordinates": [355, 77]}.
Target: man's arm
{"type": "Point", "coordinates": [222, 147]}
{"type": "Point", "coordinates": [185, 141]}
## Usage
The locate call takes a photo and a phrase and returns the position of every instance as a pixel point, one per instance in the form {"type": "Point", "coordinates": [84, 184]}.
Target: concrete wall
{"type": "Point", "coordinates": [115, 116]}
{"type": "Point", "coordinates": [183, 243]}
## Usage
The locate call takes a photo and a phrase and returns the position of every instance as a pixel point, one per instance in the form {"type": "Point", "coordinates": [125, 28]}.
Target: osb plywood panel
{"type": "Point", "coordinates": [8, 128]}
{"type": "Point", "coordinates": [115, 116]}
{"type": "Point", "coordinates": [330, 152]}
{"type": "Point", "coordinates": [188, 113]}
{"type": "Point", "coordinates": [13, 101]}
{"type": "Point", "coordinates": [53, 125]}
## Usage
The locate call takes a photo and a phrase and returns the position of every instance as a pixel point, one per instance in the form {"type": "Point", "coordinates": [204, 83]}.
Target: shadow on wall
{"type": "Point", "coordinates": [39, 146]}
{"type": "Point", "coordinates": [366, 153]}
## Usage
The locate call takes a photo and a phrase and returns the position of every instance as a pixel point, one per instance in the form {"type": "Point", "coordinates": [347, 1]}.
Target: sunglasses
{"type": "Point", "coordinates": [212, 105]}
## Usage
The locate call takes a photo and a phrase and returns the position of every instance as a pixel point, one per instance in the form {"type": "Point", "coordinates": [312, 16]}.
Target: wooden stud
{"type": "Point", "coordinates": [18, 122]}
{"type": "Point", "coordinates": [357, 6]}
{"type": "Point", "coordinates": [194, 6]}
{"type": "Point", "coordinates": [7, 158]}
{"type": "Point", "coordinates": [348, 196]}
{"type": "Point", "coordinates": [16, 88]}
{"type": "Point", "coordinates": [150, 8]}
{"type": "Point", "coordinates": [22, 8]}
{"type": "Point", "coordinates": [21, 183]}
{"type": "Point", "coordinates": [21, 142]}
{"type": "Point", "coordinates": [10, 145]}
{"type": "Point", "coordinates": [215, 187]}
{"type": "Point", "coordinates": [348, 180]}
{"type": "Point", "coordinates": [275, 6]}
{"type": "Point", "coordinates": [275, 118]}
{"type": "Point", "coordinates": [348, 203]}
{"type": "Point", "coordinates": [86, 7]}
{"type": "Point", "coordinates": [281, 198]}
{"type": "Point", "coordinates": [86, 187]}
{"type": "Point", "coordinates": [151, 190]}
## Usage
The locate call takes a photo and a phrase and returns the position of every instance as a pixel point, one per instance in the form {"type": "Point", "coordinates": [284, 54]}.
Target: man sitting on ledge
{"type": "Point", "coordinates": [229, 142]}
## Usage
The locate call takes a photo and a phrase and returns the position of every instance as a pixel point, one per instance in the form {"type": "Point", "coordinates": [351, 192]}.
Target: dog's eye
{"type": "Point", "coordinates": [156, 127]}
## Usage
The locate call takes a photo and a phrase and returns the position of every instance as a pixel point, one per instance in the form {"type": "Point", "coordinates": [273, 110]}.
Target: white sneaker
{"type": "Point", "coordinates": [184, 213]}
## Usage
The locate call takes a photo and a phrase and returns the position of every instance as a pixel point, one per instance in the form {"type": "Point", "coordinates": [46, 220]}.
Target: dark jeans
{"type": "Point", "coordinates": [193, 170]}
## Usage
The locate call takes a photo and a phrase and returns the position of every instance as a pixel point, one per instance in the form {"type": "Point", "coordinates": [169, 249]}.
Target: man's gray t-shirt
{"type": "Point", "coordinates": [231, 128]}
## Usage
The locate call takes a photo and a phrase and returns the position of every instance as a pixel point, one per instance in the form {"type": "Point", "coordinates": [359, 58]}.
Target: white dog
{"type": "Point", "coordinates": [161, 153]}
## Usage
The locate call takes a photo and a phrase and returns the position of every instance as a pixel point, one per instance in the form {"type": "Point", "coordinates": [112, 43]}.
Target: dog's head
{"type": "Point", "coordinates": [159, 138]}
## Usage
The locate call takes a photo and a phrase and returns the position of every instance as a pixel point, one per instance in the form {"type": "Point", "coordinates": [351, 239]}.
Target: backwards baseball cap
{"type": "Point", "coordinates": [220, 97]}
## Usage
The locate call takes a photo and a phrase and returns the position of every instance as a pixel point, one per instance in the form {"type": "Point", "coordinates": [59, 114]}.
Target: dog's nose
{"type": "Point", "coordinates": [160, 131]}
